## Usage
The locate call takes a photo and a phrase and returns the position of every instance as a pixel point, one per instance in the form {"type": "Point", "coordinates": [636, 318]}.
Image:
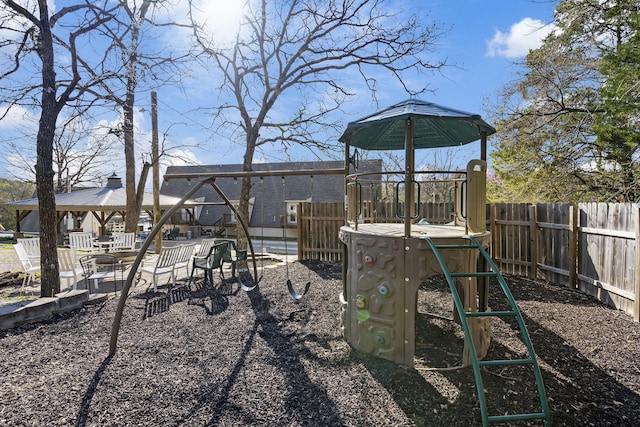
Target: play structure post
{"type": "Point", "coordinates": [347, 169]}
{"type": "Point", "coordinates": [483, 146]}
{"type": "Point", "coordinates": [408, 176]}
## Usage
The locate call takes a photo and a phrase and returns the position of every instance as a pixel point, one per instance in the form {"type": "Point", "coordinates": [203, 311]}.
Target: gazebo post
{"type": "Point", "coordinates": [408, 176]}
{"type": "Point", "coordinates": [483, 146]}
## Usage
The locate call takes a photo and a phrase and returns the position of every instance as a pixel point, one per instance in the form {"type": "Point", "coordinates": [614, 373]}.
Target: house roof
{"type": "Point", "coordinates": [107, 199]}
{"type": "Point", "coordinates": [269, 193]}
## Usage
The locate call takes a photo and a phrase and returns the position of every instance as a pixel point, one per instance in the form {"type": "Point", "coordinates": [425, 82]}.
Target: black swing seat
{"type": "Point", "coordinates": [294, 293]}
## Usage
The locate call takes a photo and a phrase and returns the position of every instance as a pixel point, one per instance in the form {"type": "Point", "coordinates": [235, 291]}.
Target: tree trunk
{"type": "Point", "coordinates": [245, 190]}
{"type": "Point", "coordinates": [137, 208]}
{"type": "Point", "coordinates": [131, 220]}
{"type": "Point", "coordinates": [50, 279]}
{"type": "Point", "coordinates": [134, 198]}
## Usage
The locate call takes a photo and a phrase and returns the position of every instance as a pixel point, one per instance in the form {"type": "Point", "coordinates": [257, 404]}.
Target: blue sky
{"type": "Point", "coordinates": [485, 38]}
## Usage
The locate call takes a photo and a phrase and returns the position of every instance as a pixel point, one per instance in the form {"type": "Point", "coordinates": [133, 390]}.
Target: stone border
{"type": "Point", "coordinates": [44, 308]}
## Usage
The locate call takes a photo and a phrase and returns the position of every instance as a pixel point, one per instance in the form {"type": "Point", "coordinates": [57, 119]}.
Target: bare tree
{"type": "Point", "coordinates": [79, 156]}
{"type": "Point", "coordinates": [293, 63]}
{"type": "Point", "coordinates": [35, 40]}
{"type": "Point", "coordinates": [134, 62]}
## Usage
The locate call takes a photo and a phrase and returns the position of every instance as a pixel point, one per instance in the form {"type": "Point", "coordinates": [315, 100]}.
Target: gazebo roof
{"type": "Point", "coordinates": [433, 126]}
{"type": "Point", "coordinates": [107, 199]}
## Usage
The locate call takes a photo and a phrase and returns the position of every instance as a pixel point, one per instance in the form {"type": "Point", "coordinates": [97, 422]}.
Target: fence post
{"type": "Point", "coordinates": [533, 241]}
{"type": "Point", "coordinates": [301, 234]}
{"type": "Point", "coordinates": [573, 246]}
{"type": "Point", "coordinates": [636, 303]}
{"type": "Point", "coordinates": [494, 231]}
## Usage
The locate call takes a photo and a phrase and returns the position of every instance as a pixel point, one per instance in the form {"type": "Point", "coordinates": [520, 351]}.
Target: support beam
{"type": "Point", "coordinates": [243, 174]}
{"type": "Point", "coordinates": [483, 146]}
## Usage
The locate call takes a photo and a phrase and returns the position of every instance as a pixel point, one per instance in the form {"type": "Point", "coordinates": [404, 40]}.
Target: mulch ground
{"type": "Point", "coordinates": [221, 356]}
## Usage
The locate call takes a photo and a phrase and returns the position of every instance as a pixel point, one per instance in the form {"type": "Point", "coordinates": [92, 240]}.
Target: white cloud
{"type": "Point", "coordinates": [521, 37]}
{"type": "Point", "coordinates": [17, 117]}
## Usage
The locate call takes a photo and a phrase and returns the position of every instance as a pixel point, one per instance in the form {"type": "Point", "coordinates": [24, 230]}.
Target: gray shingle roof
{"type": "Point", "coordinates": [268, 192]}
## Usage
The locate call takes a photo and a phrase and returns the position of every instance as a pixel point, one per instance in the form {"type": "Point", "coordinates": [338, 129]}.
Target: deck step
{"type": "Point", "coordinates": [512, 362]}
{"type": "Point", "coordinates": [475, 274]}
{"type": "Point", "coordinates": [496, 419]}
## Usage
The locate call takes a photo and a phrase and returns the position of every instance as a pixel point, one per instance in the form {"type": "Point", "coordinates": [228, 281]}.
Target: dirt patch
{"type": "Point", "coordinates": [220, 356]}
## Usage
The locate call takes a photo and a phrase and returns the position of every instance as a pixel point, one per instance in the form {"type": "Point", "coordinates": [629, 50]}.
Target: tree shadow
{"type": "Point", "coordinates": [81, 420]}
{"type": "Point", "coordinates": [319, 406]}
{"type": "Point", "coordinates": [525, 289]}
{"type": "Point", "coordinates": [573, 381]}
{"type": "Point", "coordinates": [221, 392]}
{"type": "Point", "coordinates": [325, 270]}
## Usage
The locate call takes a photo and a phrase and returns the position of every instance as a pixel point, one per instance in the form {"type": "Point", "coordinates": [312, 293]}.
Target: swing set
{"type": "Point", "coordinates": [201, 179]}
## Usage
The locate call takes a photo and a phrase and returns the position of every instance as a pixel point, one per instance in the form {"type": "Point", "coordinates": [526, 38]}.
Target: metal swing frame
{"type": "Point", "coordinates": [205, 178]}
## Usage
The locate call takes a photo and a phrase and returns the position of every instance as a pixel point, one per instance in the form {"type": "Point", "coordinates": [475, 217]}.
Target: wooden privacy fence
{"type": "Point", "coordinates": [591, 247]}
{"type": "Point", "coordinates": [538, 241]}
{"type": "Point", "coordinates": [318, 227]}
{"type": "Point", "coordinates": [319, 224]}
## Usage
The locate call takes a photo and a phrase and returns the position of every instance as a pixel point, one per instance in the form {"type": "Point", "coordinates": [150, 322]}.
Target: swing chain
{"type": "Point", "coordinates": [294, 294]}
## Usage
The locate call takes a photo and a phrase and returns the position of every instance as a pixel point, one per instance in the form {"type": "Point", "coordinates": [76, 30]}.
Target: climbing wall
{"type": "Point", "coordinates": [382, 277]}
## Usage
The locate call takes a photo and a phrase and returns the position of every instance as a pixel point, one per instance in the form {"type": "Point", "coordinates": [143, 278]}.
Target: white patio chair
{"type": "Point", "coordinates": [164, 263]}
{"type": "Point", "coordinates": [82, 242]}
{"type": "Point", "coordinates": [29, 269]}
{"type": "Point", "coordinates": [32, 248]}
{"type": "Point", "coordinates": [205, 245]}
{"type": "Point", "coordinates": [68, 268]}
{"type": "Point", "coordinates": [123, 241]}
{"type": "Point", "coordinates": [184, 257]}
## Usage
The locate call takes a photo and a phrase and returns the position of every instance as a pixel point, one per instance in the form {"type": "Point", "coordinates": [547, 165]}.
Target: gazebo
{"type": "Point", "coordinates": [103, 203]}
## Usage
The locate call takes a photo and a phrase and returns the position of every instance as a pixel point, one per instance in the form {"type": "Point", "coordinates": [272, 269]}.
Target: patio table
{"type": "Point", "coordinates": [103, 245]}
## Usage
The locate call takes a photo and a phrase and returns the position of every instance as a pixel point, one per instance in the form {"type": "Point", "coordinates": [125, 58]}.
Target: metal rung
{"type": "Point", "coordinates": [490, 313]}
{"type": "Point", "coordinates": [511, 362]}
{"type": "Point", "coordinates": [475, 274]}
{"type": "Point", "coordinates": [462, 246]}
{"type": "Point", "coordinates": [517, 417]}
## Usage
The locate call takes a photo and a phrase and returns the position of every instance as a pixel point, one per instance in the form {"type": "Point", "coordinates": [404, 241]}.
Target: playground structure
{"type": "Point", "coordinates": [383, 269]}
{"type": "Point", "coordinates": [385, 263]}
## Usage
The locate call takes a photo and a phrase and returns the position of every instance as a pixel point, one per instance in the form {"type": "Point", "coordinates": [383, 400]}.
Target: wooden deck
{"type": "Point", "coordinates": [417, 230]}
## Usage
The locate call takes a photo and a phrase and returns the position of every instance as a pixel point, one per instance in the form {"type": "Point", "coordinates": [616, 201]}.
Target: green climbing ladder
{"type": "Point", "coordinates": [512, 312]}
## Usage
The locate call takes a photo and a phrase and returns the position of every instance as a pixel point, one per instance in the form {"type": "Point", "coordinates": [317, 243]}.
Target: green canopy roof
{"type": "Point", "coordinates": [433, 126]}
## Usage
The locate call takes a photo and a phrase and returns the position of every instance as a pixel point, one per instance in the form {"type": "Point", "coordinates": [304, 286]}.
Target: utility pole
{"type": "Point", "coordinates": [156, 169]}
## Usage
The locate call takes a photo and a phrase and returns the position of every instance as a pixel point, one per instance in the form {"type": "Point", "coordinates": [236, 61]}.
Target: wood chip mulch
{"type": "Point", "coordinates": [219, 356]}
